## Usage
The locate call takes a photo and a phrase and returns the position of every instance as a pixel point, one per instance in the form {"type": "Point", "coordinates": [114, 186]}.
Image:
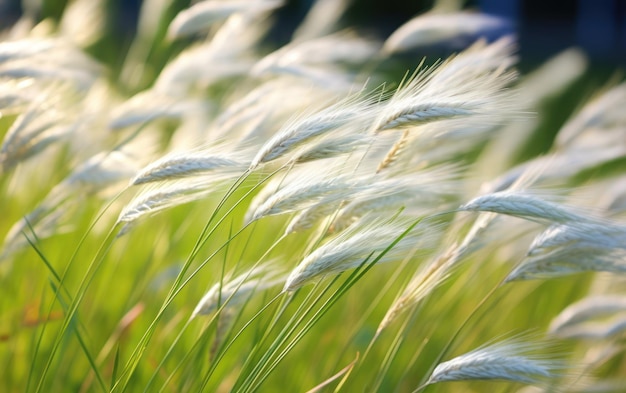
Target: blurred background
{"type": "Point", "coordinates": [544, 27]}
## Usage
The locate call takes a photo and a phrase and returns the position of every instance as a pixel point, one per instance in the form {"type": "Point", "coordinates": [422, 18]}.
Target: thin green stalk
{"type": "Point", "coordinates": [456, 334]}
{"type": "Point", "coordinates": [221, 305]}
{"type": "Point", "coordinates": [236, 336]}
{"type": "Point", "coordinates": [56, 290]}
{"type": "Point", "coordinates": [325, 307]}
{"type": "Point", "coordinates": [350, 281]}
{"type": "Point", "coordinates": [61, 281]}
{"type": "Point", "coordinates": [179, 283]}
{"type": "Point", "coordinates": [73, 307]}
{"type": "Point", "coordinates": [370, 310]}
{"type": "Point", "coordinates": [389, 357]}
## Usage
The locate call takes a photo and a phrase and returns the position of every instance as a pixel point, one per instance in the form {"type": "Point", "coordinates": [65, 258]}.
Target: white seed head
{"type": "Point", "coordinates": [524, 205]}
{"type": "Point", "coordinates": [353, 246]}
{"type": "Point", "coordinates": [509, 360]}
{"type": "Point", "coordinates": [431, 29]}
{"type": "Point", "coordinates": [472, 83]}
{"type": "Point", "coordinates": [187, 164]}
{"type": "Point", "coordinates": [586, 310]}
{"type": "Point", "coordinates": [355, 112]}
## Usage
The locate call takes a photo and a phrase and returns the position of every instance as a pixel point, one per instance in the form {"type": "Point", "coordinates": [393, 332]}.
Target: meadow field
{"type": "Point", "coordinates": [204, 209]}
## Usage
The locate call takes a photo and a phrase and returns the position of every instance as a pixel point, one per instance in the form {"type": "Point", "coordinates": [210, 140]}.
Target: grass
{"type": "Point", "coordinates": [323, 224]}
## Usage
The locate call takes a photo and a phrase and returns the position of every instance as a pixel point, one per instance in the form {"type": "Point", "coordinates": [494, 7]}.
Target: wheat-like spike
{"type": "Point", "coordinates": [603, 112]}
{"type": "Point", "coordinates": [53, 69]}
{"type": "Point", "coordinates": [301, 194]}
{"type": "Point", "coordinates": [15, 94]}
{"type": "Point", "coordinates": [155, 199]}
{"type": "Point", "coordinates": [594, 330]}
{"type": "Point", "coordinates": [524, 205]}
{"type": "Point", "coordinates": [31, 133]}
{"type": "Point", "coordinates": [563, 164]}
{"type": "Point", "coordinates": [268, 97]}
{"type": "Point", "coordinates": [40, 56]}
{"type": "Point", "coordinates": [469, 84]}
{"type": "Point", "coordinates": [344, 47]}
{"type": "Point", "coordinates": [83, 22]}
{"type": "Point", "coordinates": [590, 307]}
{"type": "Point", "coordinates": [575, 258]}
{"type": "Point", "coordinates": [24, 48]}
{"type": "Point", "coordinates": [185, 164]}
{"type": "Point", "coordinates": [424, 189]}
{"type": "Point", "coordinates": [202, 15]}
{"type": "Point", "coordinates": [355, 111]}
{"type": "Point", "coordinates": [395, 151]}
{"type": "Point", "coordinates": [308, 217]}
{"type": "Point", "coordinates": [152, 105]}
{"type": "Point", "coordinates": [333, 79]}
{"type": "Point", "coordinates": [510, 360]}
{"type": "Point", "coordinates": [576, 247]}
{"type": "Point", "coordinates": [45, 225]}
{"type": "Point", "coordinates": [94, 175]}
{"type": "Point", "coordinates": [459, 28]}
{"type": "Point", "coordinates": [261, 98]}
{"type": "Point", "coordinates": [411, 115]}
{"type": "Point", "coordinates": [598, 234]}
{"type": "Point", "coordinates": [101, 171]}
{"type": "Point", "coordinates": [39, 117]}
{"type": "Point", "coordinates": [353, 246]}
{"type": "Point", "coordinates": [241, 34]}
{"type": "Point", "coordinates": [31, 147]}
{"type": "Point", "coordinates": [322, 19]}
{"type": "Point", "coordinates": [195, 67]}
{"type": "Point", "coordinates": [333, 146]}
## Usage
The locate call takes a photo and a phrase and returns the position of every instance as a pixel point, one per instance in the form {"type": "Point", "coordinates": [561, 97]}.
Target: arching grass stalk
{"type": "Point", "coordinates": [89, 275]}
{"type": "Point", "coordinates": [166, 356]}
{"type": "Point", "coordinates": [274, 322]}
{"type": "Point", "coordinates": [180, 282]}
{"type": "Point", "coordinates": [287, 329]}
{"type": "Point", "coordinates": [57, 289]}
{"type": "Point", "coordinates": [374, 303]}
{"type": "Point", "coordinates": [205, 234]}
{"type": "Point", "coordinates": [221, 305]}
{"type": "Point", "coordinates": [223, 269]}
{"type": "Point", "coordinates": [73, 306]}
{"type": "Point", "coordinates": [281, 308]}
{"type": "Point", "coordinates": [265, 370]}
{"type": "Point", "coordinates": [276, 317]}
{"type": "Point", "coordinates": [198, 343]}
{"type": "Point", "coordinates": [345, 372]}
{"type": "Point", "coordinates": [396, 274]}
{"type": "Point", "coordinates": [389, 355]}
{"type": "Point", "coordinates": [423, 384]}
{"type": "Point", "coordinates": [398, 340]}
{"type": "Point", "coordinates": [133, 362]}
{"type": "Point", "coordinates": [254, 380]}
